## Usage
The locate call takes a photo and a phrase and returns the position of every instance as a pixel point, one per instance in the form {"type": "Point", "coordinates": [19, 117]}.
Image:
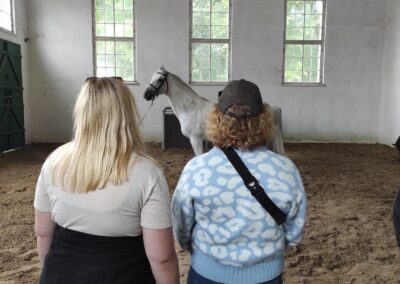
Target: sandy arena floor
{"type": "Point", "coordinates": [348, 237]}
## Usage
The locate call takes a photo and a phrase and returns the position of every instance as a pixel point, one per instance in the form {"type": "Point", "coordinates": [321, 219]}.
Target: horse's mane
{"type": "Point", "coordinates": [187, 86]}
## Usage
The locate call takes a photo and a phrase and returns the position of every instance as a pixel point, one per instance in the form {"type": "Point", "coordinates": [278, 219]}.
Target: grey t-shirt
{"type": "Point", "coordinates": [122, 210]}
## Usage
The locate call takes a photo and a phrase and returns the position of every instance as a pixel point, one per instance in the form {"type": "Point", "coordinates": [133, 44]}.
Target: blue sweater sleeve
{"type": "Point", "coordinates": [183, 212]}
{"type": "Point", "coordinates": [294, 224]}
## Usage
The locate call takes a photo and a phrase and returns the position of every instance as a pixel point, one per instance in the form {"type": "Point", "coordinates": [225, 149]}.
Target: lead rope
{"type": "Point", "coordinates": [144, 116]}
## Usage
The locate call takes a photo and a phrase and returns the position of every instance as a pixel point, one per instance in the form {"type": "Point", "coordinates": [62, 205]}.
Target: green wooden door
{"type": "Point", "coordinates": [12, 131]}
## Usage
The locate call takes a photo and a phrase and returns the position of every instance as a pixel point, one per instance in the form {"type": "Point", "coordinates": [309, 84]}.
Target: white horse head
{"type": "Point", "coordinates": [158, 84]}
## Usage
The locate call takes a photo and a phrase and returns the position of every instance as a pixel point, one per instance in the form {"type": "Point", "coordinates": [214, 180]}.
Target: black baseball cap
{"type": "Point", "coordinates": [241, 92]}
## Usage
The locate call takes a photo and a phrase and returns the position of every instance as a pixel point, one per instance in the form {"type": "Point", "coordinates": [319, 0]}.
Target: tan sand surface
{"type": "Point", "coordinates": [348, 237]}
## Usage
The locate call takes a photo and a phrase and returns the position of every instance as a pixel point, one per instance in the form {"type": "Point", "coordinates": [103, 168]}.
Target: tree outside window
{"type": "Point", "coordinates": [210, 41]}
{"type": "Point", "coordinates": [114, 38]}
{"type": "Point", "coordinates": [304, 42]}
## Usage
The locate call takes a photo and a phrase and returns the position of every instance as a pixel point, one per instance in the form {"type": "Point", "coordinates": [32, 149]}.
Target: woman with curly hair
{"type": "Point", "coordinates": [230, 235]}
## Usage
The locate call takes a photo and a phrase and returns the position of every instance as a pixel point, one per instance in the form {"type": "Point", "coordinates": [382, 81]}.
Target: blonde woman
{"type": "Point", "coordinates": [102, 209]}
{"type": "Point", "coordinates": [230, 236]}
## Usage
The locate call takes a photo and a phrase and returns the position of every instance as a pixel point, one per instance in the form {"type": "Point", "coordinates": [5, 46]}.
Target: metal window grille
{"type": "Point", "coordinates": [7, 22]}
{"type": "Point", "coordinates": [114, 38]}
{"type": "Point", "coordinates": [304, 42]}
{"type": "Point", "coordinates": [210, 41]}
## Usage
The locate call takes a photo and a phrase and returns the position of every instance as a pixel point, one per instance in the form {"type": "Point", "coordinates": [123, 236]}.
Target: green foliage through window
{"type": "Point", "coordinates": [304, 41]}
{"type": "Point", "coordinates": [210, 40]}
{"type": "Point", "coordinates": [114, 33]}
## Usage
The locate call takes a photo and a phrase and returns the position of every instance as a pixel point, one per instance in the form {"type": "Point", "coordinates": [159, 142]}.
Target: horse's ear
{"type": "Point", "coordinates": [162, 68]}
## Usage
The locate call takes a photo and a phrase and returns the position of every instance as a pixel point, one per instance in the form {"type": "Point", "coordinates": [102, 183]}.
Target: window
{"type": "Point", "coordinates": [114, 38]}
{"type": "Point", "coordinates": [210, 41]}
{"type": "Point", "coordinates": [7, 15]}
{"type": "Point", "coordinates": [304, 42]}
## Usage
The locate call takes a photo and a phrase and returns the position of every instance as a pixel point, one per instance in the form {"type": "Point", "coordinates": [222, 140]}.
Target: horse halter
{"type": "Point", "coordinates": [160, 83]}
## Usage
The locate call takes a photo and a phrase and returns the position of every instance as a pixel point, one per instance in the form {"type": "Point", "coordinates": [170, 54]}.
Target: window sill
{"type": "Point", "coordinates": [7, 32]}
{"type": "Point", "coordinates": [207, 83]}
{"type": "Point", "coordinates": [133, 83]}
{"type": "Point", "coordinates": [303, 85]}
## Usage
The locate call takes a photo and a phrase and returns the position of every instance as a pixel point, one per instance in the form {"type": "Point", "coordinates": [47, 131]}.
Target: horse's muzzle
{"type": "Point", "coordinates": [149, 93]}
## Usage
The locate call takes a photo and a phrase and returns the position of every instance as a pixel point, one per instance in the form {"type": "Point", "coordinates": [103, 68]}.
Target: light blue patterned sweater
{"type": "Point", "coordinates": [230, 236]}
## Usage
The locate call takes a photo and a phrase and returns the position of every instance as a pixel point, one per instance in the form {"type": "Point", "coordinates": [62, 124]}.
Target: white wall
{"type": "Point", "coordinates": [61, 58]}
{"type": "Point", "coordinates": [346, 110]}
{"type": "Point", "coordinates": [18, 38]}
{"type": "Point", "coordinates": [390, 105]}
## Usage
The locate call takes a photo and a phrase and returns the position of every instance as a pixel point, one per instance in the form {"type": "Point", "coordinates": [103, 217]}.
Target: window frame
{"type": "Point", "coordinates": [191, 41]}
{"type": "Point", "coordinates": [13, 28]}
{"type": "Point", "coordinates": [114, 39]}
{"type": "Point", "coordinates": [303, 42]}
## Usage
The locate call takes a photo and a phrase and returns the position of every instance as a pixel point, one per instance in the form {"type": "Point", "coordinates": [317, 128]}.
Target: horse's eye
{"type": "Point", "coordinates": [159, 79]}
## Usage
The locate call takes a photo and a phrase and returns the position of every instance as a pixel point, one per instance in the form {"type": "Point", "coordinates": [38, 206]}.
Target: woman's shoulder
{"type": "Point", "coordinates": [56, 154]}
{"type": "Point", "coordinates": [145, 165]}
{"type": "Point", "coordinates": [260, 156]}
{"type": "Point", "coordinates": [207, 159]}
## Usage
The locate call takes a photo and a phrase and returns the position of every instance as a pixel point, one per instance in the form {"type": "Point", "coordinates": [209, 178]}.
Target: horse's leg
{"type": "Point", "coordinates": [197, 145]}
{"type": "Point", "coordinates": [277, 143]}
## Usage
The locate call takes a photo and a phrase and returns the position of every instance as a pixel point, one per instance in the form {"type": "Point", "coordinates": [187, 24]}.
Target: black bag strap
{"type": "Point", "coordinates": [255, 188]}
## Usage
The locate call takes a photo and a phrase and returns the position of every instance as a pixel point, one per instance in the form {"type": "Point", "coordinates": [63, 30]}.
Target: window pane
{"type": "Point", "coordinates": [196, 75]}
{"type": "Point", "coordinates": [99, 16]}
{"type": "Point", "coordinates": [312, 33]}
{"type": "Point", "coordinates": [306, 76]}
{"type": "Point", "coordinates": [210, 22]}
{"type": "Point", "coordinates": [295, 7]}
{"type": "Point", "coordinates": [109, 5]}
{"type": "Point", "coordinates": [201, 18]}
{"type": "Point", "coordinates": [100, 47]}
{"type": "Point", "coordinates": [114, 18]}
{"type": "Point", "coordinates": [220, 5]}
{"type": "Point", "coordinates": [298, 50]}
{"type": "Point", "coordinates": [110, 60]}
{"type": "Point", "coordinates": [101, 60]}
{"type": "Point", "coordinates": [220, 19]}
{"type": "Point", "coordinates": [128, 19]}
{"type": "Point", "coordinates": [201, 5]}
{"type": "Point", "coordinates": [201, 32]}
{"type": "Point", "coordinates": [314, 76]}
{"type": "Point", "coordinates": [109, 30]}
{"type": "Point", "coordinates": [314, 7]}
{"type": "Point", "coordinates": [313, 21]}
{"type": "Point", "coordinates": [119, 16]}
{"type": "Point", "coordinates": [100, 30]}
{"type": "Point", "coordinates": [219, 32]}
{"type": "Point", "coordinates": [294, 33]}
{"type": "Point", "coordinates": [219, 60]}
{"type": "Point", "coordinates": [119, 30]}
{"type": "Point", "coordinates": [119, 4]}
{"type": "Point", "coordinates": [110, 72]}
{"type": "Point", "coordinates": [128, 4]}
{"type": "Point", "coordinates": [128, 30]}
{"type": "Point", "coordinates": [109, 16]}
{"type": "Point", "coordinates": [101, 72]}
{"type": "Point", "coordinates": [99, 4]}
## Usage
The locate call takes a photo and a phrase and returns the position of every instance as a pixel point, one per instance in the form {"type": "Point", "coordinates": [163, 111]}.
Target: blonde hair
{"type": "Point", "coordinates": [225, 131]}
{"type": "Point", "coordinates": [106, 133]}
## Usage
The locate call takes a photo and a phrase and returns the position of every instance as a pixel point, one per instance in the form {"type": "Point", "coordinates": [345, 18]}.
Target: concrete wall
{"type": "Point", "coordinates": [346, 110]}
{"type": "Point", "coordinates": [18, 37]}
{"type": "Point", "coordinates": [390, 105]}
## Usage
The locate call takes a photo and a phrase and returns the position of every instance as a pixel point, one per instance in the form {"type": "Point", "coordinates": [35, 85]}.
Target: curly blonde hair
{"type": "Point", "coordinates": [225, 131]}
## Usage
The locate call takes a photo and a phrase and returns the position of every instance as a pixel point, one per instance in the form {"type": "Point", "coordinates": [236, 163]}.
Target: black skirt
{"type": "Point", "coordinates": [79, 258]}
